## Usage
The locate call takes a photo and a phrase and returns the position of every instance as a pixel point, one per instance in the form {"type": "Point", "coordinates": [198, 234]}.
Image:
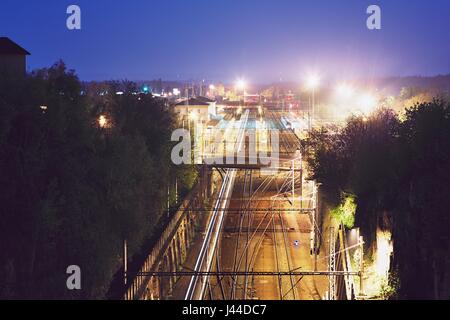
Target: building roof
{"type": "Point", "coordinates": [7, 46]}
{"type": "Point", "coordinates": [228, 103]}
{"type": "Point", "coordinates": [205, 99]}
{"type": "Point", "coordinates": [192, 102]}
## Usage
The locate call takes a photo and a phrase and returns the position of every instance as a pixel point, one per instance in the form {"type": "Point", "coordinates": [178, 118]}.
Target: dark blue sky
{"type": "Point", "coordinates": [261, 40]}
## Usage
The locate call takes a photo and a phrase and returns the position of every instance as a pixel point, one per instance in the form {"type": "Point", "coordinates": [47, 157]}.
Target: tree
{"type": "Point", "coordinates": [71, 190]}
{"type": "Point", "coordinates": [399, 170]}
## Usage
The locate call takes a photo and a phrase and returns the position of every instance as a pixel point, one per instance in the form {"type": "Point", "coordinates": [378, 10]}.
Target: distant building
{"type": "Point", "coordinates": [212, 109]}
{"type": "Point", "coordinates": [199, 109]}
{"type": "Point", "coordinates": [12, 57]}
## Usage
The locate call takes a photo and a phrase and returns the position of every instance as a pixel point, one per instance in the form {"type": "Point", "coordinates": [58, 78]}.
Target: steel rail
{"type": "Point", "coordinates": [241, 273]}
{"type": "Point", "coordinates": [208, 248]}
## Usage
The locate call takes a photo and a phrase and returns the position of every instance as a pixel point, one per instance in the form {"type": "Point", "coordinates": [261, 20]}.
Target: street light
{"type": "Point", "coordinates": [312, 84]}
{"type": "Point", "coordinates": [345, 90]}
{"type": "Point", "coordinates": [367, 103]}
{"type": "Point", "coordinates": [240, 85]}
{"type": "Point", "coordinates": [102, 121]}
{"type": "Point", "coordinates": [344, 99]}
{"type": "Point", "coordinates": [192, 116]}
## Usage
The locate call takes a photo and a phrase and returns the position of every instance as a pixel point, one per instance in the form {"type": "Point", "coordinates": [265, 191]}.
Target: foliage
{"type": "Point", "coordinates": [400, 169]}
{"type": "Point", "coordinates": [390, 287]}
{"type": "Point", "coordinates": [345, 212]}
{"type": "Point", "coordinates": [71, 191]}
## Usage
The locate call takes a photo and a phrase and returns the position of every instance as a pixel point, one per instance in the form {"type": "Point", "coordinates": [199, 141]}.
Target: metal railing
{"type": "Point", "coordinates": [135, 288]}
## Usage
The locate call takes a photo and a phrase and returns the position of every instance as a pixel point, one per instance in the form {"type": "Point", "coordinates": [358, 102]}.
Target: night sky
{"type": "Point", "coordinates": [261, 40]}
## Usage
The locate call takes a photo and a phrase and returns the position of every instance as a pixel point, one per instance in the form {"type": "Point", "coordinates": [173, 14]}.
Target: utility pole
{"type": "Point", "coordinates": [125, 262]}
{"type": "Point", "coordinates": [316, 214]}
{"type": "Point", "coordinates": [301, 178]}
{"type": "Point", "coordinates": [168, 200]}
{"type": "Point", "coordinates": [189, 122]}
{"type": "Point", "coordinates": [309, 112]}
{"type": "Point", "coordinates": [332, 267]}
{"type": "Point", "coordinates": [313, 248]}
{"type": "Point", "coordinates": [313, 101]}
{"type": "Point", "coordinates": [176, 190]}
{"type": "Point", "coordinates": [293, 182]}
{"type": "Point", "coordinates": [361, 269]}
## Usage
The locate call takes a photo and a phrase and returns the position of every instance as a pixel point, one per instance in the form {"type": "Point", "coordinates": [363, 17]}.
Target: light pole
{"type": "Point", "coordinates": [367, 103]}
{"type": "Point", "coordinates": [193, 117]}
{"type": "Point", "coordinates": [312, 84]}
{"type": "Point", "coordinates": [125, 262]}
{"type": "Point", "coordinates": [240, 87]}
{"type": "Point", "coordinates": [313, 106]}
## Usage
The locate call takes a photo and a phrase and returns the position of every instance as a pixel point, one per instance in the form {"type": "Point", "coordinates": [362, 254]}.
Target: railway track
{"type": "Point", "coordinates": [247, 237]}
{"type": "Point", "coordinates": [198, 284]}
